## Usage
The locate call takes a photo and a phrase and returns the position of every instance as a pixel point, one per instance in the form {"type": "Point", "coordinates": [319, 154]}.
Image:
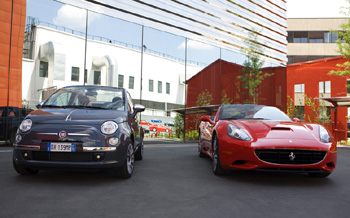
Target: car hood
{"type": "Point", "coordinates": [278, 129]}
{"type": "Point", "coordinates": [72, 115]}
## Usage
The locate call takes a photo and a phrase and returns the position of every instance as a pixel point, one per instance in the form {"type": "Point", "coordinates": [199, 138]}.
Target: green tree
{"type": "Point", "coordinates": [225, 99]}
{"type": "Point", "coordinates": [343, 44]}
{"type": "Point", "coordinates": [204, 98]}
{"type": "Point", "coordinates": [252, 74]}
{"type": "Point", "coordinates": [179, 124]}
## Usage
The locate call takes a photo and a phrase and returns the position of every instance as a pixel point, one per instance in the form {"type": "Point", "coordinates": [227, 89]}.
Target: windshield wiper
{"type": "Point", "coordinates": [83, 106]}
{"type": "Point", "coordinates": [51, 105]}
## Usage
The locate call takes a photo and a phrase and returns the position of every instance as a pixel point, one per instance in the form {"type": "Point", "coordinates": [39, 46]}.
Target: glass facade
{"type": "Point", "coordinates": [169, 53]}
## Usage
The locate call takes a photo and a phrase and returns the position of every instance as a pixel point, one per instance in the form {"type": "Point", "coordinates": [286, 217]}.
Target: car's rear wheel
{"type": "Point", "coordinates": [200, 153]}
{"type": "Point", "coordinates": [23, 170]}
{"type": "Point", "coordinates": [320, 174]}
{"type": "Point", "coordinates": [217, 168]}
{"type": "Point", "coordinates": [127, 169]}
{"type": "Point", "coordinates": [139, 152]}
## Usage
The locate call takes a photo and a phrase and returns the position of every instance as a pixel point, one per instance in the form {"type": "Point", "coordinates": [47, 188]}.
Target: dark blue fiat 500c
{"type": "Point", "coordinates": [81, 127]}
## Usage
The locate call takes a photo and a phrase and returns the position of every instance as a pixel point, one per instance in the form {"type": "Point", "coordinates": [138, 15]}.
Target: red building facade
{"type": "Point", "coordinates": [313, 75]}
{"type": "Point", "coordinates": [220, 78]}
{"type": "Point", "coordinates": [12, 24]}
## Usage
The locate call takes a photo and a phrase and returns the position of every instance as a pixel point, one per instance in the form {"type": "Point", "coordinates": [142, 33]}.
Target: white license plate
{"type": "Point", "coordinates": [60, 147]}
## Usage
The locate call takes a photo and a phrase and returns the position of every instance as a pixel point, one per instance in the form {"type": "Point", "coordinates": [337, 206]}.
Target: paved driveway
{"type": "Point", "coordinates": [172, 181]}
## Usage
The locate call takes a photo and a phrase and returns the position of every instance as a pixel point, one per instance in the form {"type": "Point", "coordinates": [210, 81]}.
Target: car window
{"type": "Point", "coordinates": [233, 112]}
{"type": "Point", "coordinates": [87, 97]}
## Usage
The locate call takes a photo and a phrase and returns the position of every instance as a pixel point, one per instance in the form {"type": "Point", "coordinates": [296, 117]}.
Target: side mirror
{"type": "Point", "coordinates": [206, 119]}
{"type": "Point", "coordinates": [297, 120]}
{"type": "Point", "coordinates": [139, 108]}
{"type": "Point", "coordinates": [38, 105]}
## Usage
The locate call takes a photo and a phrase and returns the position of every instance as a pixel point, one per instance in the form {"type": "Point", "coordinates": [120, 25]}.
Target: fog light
{"type": "Point", "coordinates": [98, 156]}
{"type": "Point", "coordinates": [25, 154]}
{"type": "Point", "coordinates": [18, 138]}
{"type": "Point", "coordinates": [113, 141]}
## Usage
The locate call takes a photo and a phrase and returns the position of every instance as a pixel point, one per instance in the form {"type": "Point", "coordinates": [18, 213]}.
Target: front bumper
{"type": "Point", "coordinates": [89, 158]}
{"type": "Point", "coordinates": [242, 155]}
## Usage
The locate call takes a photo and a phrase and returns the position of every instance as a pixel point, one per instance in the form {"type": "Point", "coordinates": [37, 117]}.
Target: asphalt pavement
{"type": "Point", "coordinates": [172, 181]}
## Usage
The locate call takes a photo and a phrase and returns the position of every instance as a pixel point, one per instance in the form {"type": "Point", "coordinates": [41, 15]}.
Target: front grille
{"type": "Point", "coordinates": [290, 156]}
{"type": "Point", "coordinates": [63, 156]}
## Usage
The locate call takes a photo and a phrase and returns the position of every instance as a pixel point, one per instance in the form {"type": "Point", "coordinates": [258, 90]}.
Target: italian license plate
{"type": "Point", "coordinates": [60, 147]}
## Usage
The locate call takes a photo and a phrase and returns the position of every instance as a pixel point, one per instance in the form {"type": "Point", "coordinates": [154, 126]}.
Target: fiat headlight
{"type": "Point", "coordinates": [324, 135]}
{"type": "Point", "coordinates": [237, 133]}
{"type": "Point", "coordinates": [109, 127]}
{"type": "Point", "coordinates": [26, 125]}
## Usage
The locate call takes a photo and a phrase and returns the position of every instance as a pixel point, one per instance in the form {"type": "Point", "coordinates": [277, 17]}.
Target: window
{"type": "Point", "coordinates": [325, 114]}
{"type": "Point", "coordinates": [348, 86]}
{"type": "Point", "coordinates": [290, 37]}
{"type": "Point", "coordinates": [298, 59]}
{"type": "Point", "coordinates": [159, 87]}
{"type": "Point", "coordinates": [325, 87]}
{"type": "Point", "coordinates": [44, 69]}
{"type": "Point", "coordinates": [330, 37]}
{"type": "Point", "coordinates": [299, 88]}
{"type": "Point", "coordinates": [120, 81]}
{"type": "Point", "coordinates": [316, 37]}
{"type": "Point", "coordinates": [300, 113]}
{"type": "Point", "coordinates": [300, 37]}
{"type": "Point", "coordinates": [75, 74]}
{"type": "Point", "coordinates": [97, 77]}
{"type": "Point", "coordinates": [131, 82]}
{"type": "Point", "coordinates": [168, 88]}
{"type": "Point", "coordinates": [150, 85]}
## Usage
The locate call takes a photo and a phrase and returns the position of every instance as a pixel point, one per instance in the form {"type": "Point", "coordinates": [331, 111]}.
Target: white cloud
{"type": "Point", "coordinates": [195, 45]}
{"type": "Point", "coordinates": [73, 17]}
{"type": "Point", "coordinates": [315, 8]}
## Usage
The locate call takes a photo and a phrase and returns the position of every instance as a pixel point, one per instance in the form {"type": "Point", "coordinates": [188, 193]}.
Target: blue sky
{"type": "Point", "coordinates": [99, 25]}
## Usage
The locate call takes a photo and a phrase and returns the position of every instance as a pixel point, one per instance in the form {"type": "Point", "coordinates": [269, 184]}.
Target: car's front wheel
{"type": "Point", "coordinates": [217, 168]}
{"type": "Point", "coordinates": [127, 169]}
{"type": "Point", "coordinates": [200, 153]}
{"type": "Point", "coordinates": [139, 152]}
{"type": "Point", "coordinates": [23, 170]}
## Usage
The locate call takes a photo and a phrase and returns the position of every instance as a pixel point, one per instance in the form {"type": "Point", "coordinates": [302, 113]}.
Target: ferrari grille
{"type": "Point", "coordinates": [290, 156]}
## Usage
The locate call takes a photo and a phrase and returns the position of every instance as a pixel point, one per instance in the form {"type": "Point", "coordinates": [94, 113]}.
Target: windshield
{"type": "Point", "coordinates": [87, 97]}
{"type": "Point", "coordinates": [247, 111]}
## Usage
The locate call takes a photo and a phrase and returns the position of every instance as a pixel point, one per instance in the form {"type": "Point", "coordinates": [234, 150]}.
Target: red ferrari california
{"type": "Point", "coordinates": [248, 137]}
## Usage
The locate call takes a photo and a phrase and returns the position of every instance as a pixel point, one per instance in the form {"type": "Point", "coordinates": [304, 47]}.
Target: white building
{"type": "Point", "coordinates": [56, 59]}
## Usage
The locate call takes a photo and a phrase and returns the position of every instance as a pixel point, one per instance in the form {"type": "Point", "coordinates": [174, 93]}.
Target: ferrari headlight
{"type": "Point", "coordinates": [26, 125]}
{"type": "Point", "coordinates": [324, 135]}
{"type": "Point", "coordinates": [237, 133]}
{"type": "Point", "coordinates": [109, 127]}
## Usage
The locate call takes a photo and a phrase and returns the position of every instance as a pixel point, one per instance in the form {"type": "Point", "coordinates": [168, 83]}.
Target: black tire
{"type": "Point", "coordinates": [139, 152]}
{"type": "Point", "coordinates": [217, 168]}
{"type": "Point", "coordinates": [200, 153]}
{"type": "Point", "coordinates": [320, 174]}
{"type": "Point", "coordinates": [23, 170]}
{"type": "Point", "coordinates": [127, 169]}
